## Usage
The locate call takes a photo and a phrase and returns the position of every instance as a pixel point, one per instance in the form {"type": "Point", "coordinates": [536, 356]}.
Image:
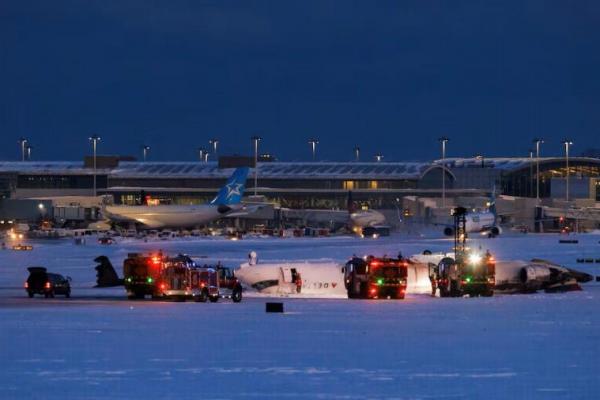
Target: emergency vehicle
{"type": "Point", "coordinates": [469, 272]}
{"type": "Point", "coordinates": [229, 285]}
{"type": "Point", "coordinates": [376, 278]}
{"type": "Point", "coordinates": [176, 278]}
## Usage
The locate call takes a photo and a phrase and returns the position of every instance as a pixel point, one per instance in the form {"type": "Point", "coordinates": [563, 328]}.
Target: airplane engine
{"type": "Point", "coordinates": [541, 276]}
{"type": "Point", "coordinates": [496, 230]}
{"type": "Point", "coordinates": [448, 231]}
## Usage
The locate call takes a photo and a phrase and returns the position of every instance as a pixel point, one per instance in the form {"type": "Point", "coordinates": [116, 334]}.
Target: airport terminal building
{"type": "Point", "coordinates": [302, 185]}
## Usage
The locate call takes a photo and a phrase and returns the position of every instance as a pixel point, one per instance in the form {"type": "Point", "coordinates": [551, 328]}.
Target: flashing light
{"type": "Point", "coordinates": [162, 286]}
{"type": "Point", "coordinates": [375, 263]}
{"type": "Point", "coordinates": [380, 281]}
{"type": "Point", "coordinates": [149, 279]}
{"type": "Point", "coordinates": [474, 258]}
{"type": "Point", "coordinates": [48, 285]}
{"type": "Point", "coordinates": [26, 285]}
{"type": "Point", "coordinates": [128, 279]}
{"type": "Point", "coordinates": [373, 290]}
{"type": "Point", "coordinates": [468, 279]}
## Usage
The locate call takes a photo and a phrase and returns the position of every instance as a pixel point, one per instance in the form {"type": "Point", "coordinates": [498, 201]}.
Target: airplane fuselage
{"type": "Point", "coordinates": [168, 216]}
{"type": "Point", "coordinates": [479, 221]}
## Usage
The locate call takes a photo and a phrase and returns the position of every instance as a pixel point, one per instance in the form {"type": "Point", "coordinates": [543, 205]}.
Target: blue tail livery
{"type": "Point", "coordinates": [233, 190]}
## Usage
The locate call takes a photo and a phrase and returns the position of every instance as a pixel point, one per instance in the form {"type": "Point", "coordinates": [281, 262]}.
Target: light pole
{"type": "Point", "coordinates": [530, 191]}
{"type": "Point", "coordinates": [313, 143]}
{"type": "Point", "coordinates": [357, 153]}
{"type": "Point", "coordinates": [22, 142]}
{"type": "Point", "coordinates": [537, 142]}
{"type": "Point", "coordinates": [443, 140]}
{"type": "Point", "coordinates": [255, 140]}
{"type": "Point", "coordinates": [29, 152]}
{"type": "Point", "coordinates": [567, 144]}
{"type": "Point", "coordinates": [203, 154]}
{"type": "Point", "coordinates": [145, 149]}
{"type": "Point", "coordinates": [94, 139]}
{"type": "Point", "coordinates": [214, 143]}
{"type": "Point", "coordinates": [378, 157]}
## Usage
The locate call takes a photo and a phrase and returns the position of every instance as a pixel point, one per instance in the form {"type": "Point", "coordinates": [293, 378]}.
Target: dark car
{"type": "Point", "coordinates": [40, 281]}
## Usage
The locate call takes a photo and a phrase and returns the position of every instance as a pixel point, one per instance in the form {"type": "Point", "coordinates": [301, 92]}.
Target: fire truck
{"type": "Point", "coordinates": [469, 272]}
{"type": "Point", "coordinates": [229, 285]}
{"type": "Point", "coordinates": [375, 278]}
{"type": "Point", "coordinates": [176, 278]}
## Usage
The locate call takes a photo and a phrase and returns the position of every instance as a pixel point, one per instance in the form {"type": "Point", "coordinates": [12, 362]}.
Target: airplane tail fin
{"type": "Point", "coordinates": [233, 190]}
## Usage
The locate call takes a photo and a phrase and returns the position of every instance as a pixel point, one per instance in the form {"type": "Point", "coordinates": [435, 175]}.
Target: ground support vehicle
{"type": "Point", "coordinates": [40, 281]}
{"type": "Point", "coordinates": [376, 278]}
{"type": "Point", "coordinates": [470, 272]}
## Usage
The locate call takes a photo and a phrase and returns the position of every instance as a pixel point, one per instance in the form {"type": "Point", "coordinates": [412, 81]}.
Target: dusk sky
{"type": "Point", "coordinates": [388, 76]}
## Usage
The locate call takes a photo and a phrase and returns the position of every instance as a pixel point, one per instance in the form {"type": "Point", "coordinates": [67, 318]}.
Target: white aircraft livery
{"type": "Point", "coordinates": [484, 222]}
{"type": "Point", "coordinates": [319, 279]}
{"type": "Point", "coordinates": [226, 203]}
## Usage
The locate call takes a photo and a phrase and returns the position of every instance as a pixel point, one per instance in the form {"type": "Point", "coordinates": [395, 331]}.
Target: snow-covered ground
{"type": "Point", "coordinates": [99, 345]}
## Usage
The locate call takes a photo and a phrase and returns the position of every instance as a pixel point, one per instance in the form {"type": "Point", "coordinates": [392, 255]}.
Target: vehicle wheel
{"type": "Point", "coordinates": [203, 296]}
{"type": "Point", "coordinates": [46, 295]}
{"type": "Point", "coordinates": [236, 296]}
{"type": "Point", "coordinates": [52, 294]}
{"type": "Point", "coordinates": [68, 294]}
{"type": "Point", "coordinates": [30, 294]}
{"type": "Point", "coordinates": [214, 299]}
{"type": "Point", "coordinates": [489, 293]}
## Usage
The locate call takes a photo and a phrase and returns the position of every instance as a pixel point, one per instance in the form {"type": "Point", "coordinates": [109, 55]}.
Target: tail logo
{"type": "Point", "coordinates": [234, 189]}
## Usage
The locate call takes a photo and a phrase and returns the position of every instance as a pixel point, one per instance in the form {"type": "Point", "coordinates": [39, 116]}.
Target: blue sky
{"type": "Point", "coordinates": [388, 76]}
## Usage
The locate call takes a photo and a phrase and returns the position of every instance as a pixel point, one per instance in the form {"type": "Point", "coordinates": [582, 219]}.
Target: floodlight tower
{"type": "Point", "coordinates": [255, 139]}
{"type": "Point", "coordinates": [94, 139]}
{"type": "Point", "coordinates": [443, 140]}
{"type": "Point", "coordinates": [313, 143]}
{"type": "Point", "coordinates": [538, 142]}
{"type": "Point", "coordinates": [567, 144]}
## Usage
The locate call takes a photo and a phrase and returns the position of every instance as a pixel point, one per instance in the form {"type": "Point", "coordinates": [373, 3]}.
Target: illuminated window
{"type": "Point", "coordinates": [348, 185]}
{"type": "Point", "coordinates": [373, 185]}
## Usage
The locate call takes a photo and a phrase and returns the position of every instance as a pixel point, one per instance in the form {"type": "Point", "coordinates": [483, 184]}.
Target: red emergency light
{"type": "Point", "coordinates": [155, 260]}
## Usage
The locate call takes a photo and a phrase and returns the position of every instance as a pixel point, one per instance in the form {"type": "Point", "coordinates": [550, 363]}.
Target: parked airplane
{"type": "Point", "coordinates": [226, 203]}
{"type": "Point", "coordinates": [484, 222]}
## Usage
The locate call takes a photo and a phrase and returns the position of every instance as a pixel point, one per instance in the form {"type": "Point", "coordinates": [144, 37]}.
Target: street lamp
{"type": "Point", "coordinates": [214, 143]}
{"type": "Point", "coordinates": [29, 152]}
{"type": "Point", "coordinates": [255, 140]}
{"type": "Point", "coordinates": [145, 149]}
{"type": "Point", "coordinates": [22, 142]}
{"type": "Point", "coordinates": [313, 143]}
{"type": "Point", "coordinates": [567, 144]}
{"type": "Point", "coordinates": [94, 139]}
{"type": "Point", "coordinates": [530, 191]}
{"type": "Point", "coordinates": [378, 157]}
{"type": "Point", "coordinates": [357, 153]}
{"type": "Point", "coordinates": [443, 140]}
{"type": "Point", "coordinates": [537, 142]}
{"type": "Point", "coordinates": [203, 154]}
